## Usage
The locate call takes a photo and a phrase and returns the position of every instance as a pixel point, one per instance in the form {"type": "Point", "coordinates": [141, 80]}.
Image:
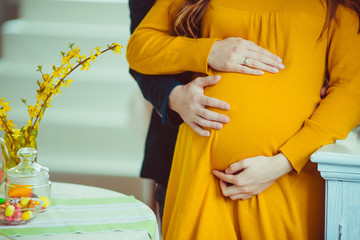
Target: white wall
{"type": "Point", "coordinates": [98, 125]}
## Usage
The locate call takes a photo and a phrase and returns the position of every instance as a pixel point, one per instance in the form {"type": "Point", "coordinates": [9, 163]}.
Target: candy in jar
{"type": "Point", "coordinates": [28, 179]}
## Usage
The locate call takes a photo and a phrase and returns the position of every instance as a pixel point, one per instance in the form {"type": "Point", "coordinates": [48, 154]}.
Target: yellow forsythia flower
{"type": "Point", "coordinates": [33, 111]}
{"type": "Point", "coordinates": [49, 86]}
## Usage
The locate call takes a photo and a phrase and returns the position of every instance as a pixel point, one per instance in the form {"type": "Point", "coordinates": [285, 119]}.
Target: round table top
{"type": "Point", "coordinates": [70, 191]}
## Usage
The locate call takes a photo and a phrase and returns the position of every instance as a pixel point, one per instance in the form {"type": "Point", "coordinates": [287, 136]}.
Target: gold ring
{"type": "Point", "coordinates": [196, 118]}
{"type": "Point", "coordinates": [245, 61]}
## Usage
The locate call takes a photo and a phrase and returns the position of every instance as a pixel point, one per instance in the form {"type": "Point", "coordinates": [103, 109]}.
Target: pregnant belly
{"type": "Point", "coordinates": [264, 112]}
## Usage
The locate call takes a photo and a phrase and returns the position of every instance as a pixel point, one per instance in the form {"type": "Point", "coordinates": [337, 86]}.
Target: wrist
{"type": "Point", "coordinates": [174, 97]}
{"type": "Point", "coordinates": [212, 53]}
{"type": "Point", "coordinates": [283, 163]}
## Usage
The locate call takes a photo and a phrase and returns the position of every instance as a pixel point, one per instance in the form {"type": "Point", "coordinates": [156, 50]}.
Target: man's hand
{"type": "Point", "coordinates": [243, 56]}
{"type": "Point", "coordinates": [251, 176]}
{"type": "Point", "coordinates": [190, 103]}
{"type": "Point", "coordinates": [324, 88]}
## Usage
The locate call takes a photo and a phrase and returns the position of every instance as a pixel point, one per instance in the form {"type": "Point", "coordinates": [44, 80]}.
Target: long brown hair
{"type": "Point", "coordinates": [187, 21]}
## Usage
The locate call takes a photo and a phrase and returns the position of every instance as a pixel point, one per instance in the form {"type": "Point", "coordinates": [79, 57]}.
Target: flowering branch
{"type": "Point", "coordinates": [61, 81]}
{"type": "Point", "coordinates": [47, 88]}
{"type": "Point", "coordinates": [6, 128]}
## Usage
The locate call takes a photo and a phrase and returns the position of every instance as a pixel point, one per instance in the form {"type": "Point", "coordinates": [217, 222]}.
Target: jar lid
{"type": "Point", "coordinates": [27, 168]}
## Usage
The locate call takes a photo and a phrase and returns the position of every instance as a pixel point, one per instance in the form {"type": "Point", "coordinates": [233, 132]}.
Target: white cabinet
{"type": "Point", "coordinates": [339, 164]}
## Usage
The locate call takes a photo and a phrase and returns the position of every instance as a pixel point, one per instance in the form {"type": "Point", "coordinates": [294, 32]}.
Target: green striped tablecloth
{"type": "Point", "coordinates": [87, 215]}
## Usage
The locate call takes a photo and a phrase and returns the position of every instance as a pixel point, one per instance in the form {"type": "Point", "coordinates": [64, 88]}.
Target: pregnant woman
{"type": "Point", "coordinates": [277, 120]}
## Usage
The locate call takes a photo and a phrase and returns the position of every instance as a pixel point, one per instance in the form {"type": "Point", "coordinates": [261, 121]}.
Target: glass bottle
{"type": "Point", "coordinates": [28, 179]}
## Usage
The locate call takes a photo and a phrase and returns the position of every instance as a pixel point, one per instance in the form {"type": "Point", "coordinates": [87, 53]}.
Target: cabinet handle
{"type": "Point", "coordinates": [340, 231]}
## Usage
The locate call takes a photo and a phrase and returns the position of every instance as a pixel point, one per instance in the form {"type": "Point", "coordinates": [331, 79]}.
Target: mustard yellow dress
{"type": "Point", "coordinates": [269, 114]}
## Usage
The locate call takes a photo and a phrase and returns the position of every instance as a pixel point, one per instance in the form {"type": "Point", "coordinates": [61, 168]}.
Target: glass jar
{"type": "Point", "coordinates": [28, 179]}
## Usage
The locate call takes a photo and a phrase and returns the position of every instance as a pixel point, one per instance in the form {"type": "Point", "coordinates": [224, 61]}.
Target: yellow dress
{"type": "Point", "coordinates": [269, 114]}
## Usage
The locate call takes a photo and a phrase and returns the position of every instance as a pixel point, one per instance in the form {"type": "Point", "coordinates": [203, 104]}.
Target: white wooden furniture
{"type": "Point", "coordinates": [339, 164]}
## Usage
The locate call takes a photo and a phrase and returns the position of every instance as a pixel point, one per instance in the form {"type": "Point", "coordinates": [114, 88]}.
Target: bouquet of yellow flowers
{"type": "Point", "coordinates": [51, 84]}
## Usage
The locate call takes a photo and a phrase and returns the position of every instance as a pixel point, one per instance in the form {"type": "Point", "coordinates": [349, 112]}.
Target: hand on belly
{"type": "Point", "coordinates": [249, 177]}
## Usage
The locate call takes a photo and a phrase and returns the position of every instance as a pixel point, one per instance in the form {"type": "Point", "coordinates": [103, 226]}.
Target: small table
{"type": "Point", "coordinates": [117, 216]}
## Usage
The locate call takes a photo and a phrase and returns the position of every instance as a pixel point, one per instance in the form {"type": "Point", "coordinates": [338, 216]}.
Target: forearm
{"type": "Point", "coordinates": [339, 112]}
{"type": "Point", "coordinates": [335, 117]}
{"type": "Point", "coordinates": [153, 50]}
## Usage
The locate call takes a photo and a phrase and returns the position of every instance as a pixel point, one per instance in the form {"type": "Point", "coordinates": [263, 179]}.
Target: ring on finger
{"type": "Point", "coordinates": [245, 61]}
{"type": "Point", "coordinates": [196, 118]}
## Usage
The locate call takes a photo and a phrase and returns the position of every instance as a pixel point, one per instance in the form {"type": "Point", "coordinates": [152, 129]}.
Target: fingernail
{"type": "Point", "coordinates": [274, 70]}
{"type": "Point", "coordinates": [219, 126]}
{"type": "Point", "coordinates": [226, 119]}
{"type": "Point", "coordinates": [227, 106]}
{"type": "Point", "coordinates": [207, 134]}
{"type": "Point", "coordinates": [281, 66]}
{"type": "Point", "coordinates": [279, 59]}
{"type": "Point", "coordinates": [260, 72]}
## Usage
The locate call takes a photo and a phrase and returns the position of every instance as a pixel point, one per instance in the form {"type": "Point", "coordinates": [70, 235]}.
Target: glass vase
{"type": "Point", "coordinates": [4, 158]}
{"type": "Point", "coordinates": [10, 145]}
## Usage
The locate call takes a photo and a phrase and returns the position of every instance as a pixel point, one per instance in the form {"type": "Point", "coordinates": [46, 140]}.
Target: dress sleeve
{"type": "Point", "coordinates": [339, 112]}
{"type": "Point", "coordinates": [152, 49]}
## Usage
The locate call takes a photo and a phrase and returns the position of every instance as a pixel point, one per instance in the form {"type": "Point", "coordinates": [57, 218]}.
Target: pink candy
{"type": "Point", "coordinates": [17, 214]}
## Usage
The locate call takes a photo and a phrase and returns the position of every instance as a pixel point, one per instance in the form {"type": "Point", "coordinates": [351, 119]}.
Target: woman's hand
{"type": "Point", "coordinates": [243, 56]}
{"type": "Point", "coordinates": [251, 176]}
{"type": "Point", "coordinates": [190, 103]}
